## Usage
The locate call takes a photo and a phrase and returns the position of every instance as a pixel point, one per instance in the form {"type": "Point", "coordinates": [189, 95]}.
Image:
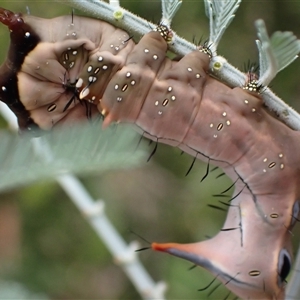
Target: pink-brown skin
{"type": "Point", "coordinates": [176, 103]}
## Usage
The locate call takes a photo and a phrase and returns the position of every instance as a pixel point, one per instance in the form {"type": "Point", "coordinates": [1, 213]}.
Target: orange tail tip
{"type": "Point", "coordinates": [184, 251]}
{"type": "Point", "coordinates": [257, 277]}
{"type": "Point", "coordinates": [162, 247]}
{"type": "Point", "coordinates": [192, 248]}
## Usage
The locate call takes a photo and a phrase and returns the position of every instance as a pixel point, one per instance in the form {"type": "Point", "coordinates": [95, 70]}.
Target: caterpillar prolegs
{"type": "Point", "coordinates": [49, 79]}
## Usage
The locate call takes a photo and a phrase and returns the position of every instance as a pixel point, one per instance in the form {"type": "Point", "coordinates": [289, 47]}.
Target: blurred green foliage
{"type": "Point", "coordinates": [59, 253]}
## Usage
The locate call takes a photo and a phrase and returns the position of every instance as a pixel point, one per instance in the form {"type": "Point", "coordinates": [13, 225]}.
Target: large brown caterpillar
{"type": "Point", "coordinates": [177, 103]}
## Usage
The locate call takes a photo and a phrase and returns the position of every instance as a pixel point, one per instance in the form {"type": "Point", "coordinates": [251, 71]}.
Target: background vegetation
{"type": "Point", "coordinates": [47, 246]}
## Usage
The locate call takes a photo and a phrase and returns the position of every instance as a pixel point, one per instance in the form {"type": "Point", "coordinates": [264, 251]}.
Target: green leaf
{"type": "Point", "coordinates": [220, 14]}
{"type": "Point", "coordinates": [80, 148]}
{"type": "Point", "coordinates": [169, 9]}
{"type": "Point", "coordinates": [286, 47]}
{"type": "Point", "coordinates": [275, 53]}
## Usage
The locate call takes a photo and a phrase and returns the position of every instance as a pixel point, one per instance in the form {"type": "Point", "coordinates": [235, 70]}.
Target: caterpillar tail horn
{"type": "Point", "coordinates": [229, 267]}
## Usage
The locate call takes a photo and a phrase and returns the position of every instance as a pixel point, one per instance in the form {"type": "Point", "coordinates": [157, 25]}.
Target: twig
{"type": "Point", "coordinates": [123, 254]}
{"type": "Point", "coordinates": [94, 212]}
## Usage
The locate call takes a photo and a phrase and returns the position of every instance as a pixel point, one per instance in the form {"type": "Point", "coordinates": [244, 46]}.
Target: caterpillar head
{"type": "Point", "coordinates": [233, 256]}
{"type": "Point", "coordinates": [47, 58]}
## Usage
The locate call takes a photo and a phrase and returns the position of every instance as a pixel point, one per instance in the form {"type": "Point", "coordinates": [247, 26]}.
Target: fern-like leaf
{"type": "Point", "coordinates": [169, 9]}
{"type": "Point", "coordinates": [286, 48]}
{"type": "Point", "coordinates": [80, 148]}
{"type": "Point", "coordinates": [220, 14]}
{"type": "Point", "coordinates": [275, 53]}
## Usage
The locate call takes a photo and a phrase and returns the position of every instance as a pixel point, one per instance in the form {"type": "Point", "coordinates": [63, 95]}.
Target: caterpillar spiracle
{"type": "Point", "coordinates": [60, 70]}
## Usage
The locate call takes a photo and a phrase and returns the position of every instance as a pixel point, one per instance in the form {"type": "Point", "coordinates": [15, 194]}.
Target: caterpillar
{"type": "Point", "coordinates": [55, 76]}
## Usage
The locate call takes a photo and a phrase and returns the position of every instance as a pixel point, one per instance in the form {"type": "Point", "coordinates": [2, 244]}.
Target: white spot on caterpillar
{"type": "Point", "coordinates": [71, 65]}
{"type": "Point", "coordinates": [190, 69]}
{"type": "Point", "coordinates": [74, 52]}
{"type": "Point", "coordinates": [51, 107]}
{"type": "Point", "coordinates": [281, 166]}
{"type": "Point", "coordinates": [265, 159]}
{"type": "Point", "coordinates": [92, 79]}
{"type": "Point", "coordinates": [116, 86]}
{"type": "Point", "coordinates": [79, 83]}
{"type": "Point", "coordinates": [198, 75]}
{"type": "Point", "coordinates": [253, 109]}
{"type": "Point", "coordinates": [156, 103]}
{"type": "Point", "coordinates": [27, 34]}
{"type": "Point", "coordinates": [165, 102]}
{"type": "Point", "coordinates": [211, 125]}
{"type": "Point", "coordinates": [160, 112]}
{"type": "Point", "coordinates": [100, 58]}
{"type": "Point", "coordinates": [124, 88]}
{"type": "Point", "coordinates": [228, 122]}
{"type": "Point", "coordinates": [84, 93]}
{"type": "Point", "coordinates": [132, 82]}
{"type": "Point", "coordinates": [220, 126]}
{"type": "Point", "coordinates": [155, 57]}
{"type": "Point", "coordinates": [89, 69]}
{"type": "Point", "coordinates": [170, 89]}
{"type": "Point", "coordinates": [246, 101]}
{"type": "Point", "coordinates": [146, 50]}
{"type": "Point", "coordinates": [224, 114]}
{"type": "Point", "coordinates": [3, 88]}
{"type": "Point", "coordinates": [254, 273]}
{"type": "Point", "coordinates": [280, 155]}
{"type": "Point", "coordinates": [73, 33]}
{"type": "Point", "coordinates": [128, 74]}
{"type": "Point", "coordinates": [274, 215]}
{"type": "Point", "coordinates": [119, 99]}
{"type": "Point", "coordinates": [173, 98]}
{"type": "Point", "coordinates": [105, 67]}
{"type": "Point", "coordinates": [215, 136]}
{"type": "Point", "coordinates": [272, 164]}
{"type": "Point", "coordinates": [264, 170]}
{"type": "Point", "coordinates": [111, 46]}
